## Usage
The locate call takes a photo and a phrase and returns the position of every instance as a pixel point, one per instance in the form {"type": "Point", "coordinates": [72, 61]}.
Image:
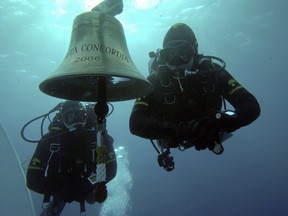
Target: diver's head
{"type": "Point", "coordinates": [179, 46]}
{"type": "Point", "coordinates": [73, 114]}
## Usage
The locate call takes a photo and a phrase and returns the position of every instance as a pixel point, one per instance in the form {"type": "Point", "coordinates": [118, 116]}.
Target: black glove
{"type": "Point", "coordinates": [201, 131]}
{"type": "Point", "coordinates": [227, 121]}
{"type": "Point", "coordinates": [204, 131]}
{"type": "Point", "coordinates": [100, 192]}
{"type": "Point", "coordinates": [197, 128]}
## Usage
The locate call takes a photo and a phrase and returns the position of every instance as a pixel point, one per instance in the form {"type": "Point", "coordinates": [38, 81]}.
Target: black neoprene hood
{"type": "Point", "coordinates": [179, 32]}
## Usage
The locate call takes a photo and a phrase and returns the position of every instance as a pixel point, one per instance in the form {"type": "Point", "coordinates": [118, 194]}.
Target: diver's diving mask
{"type": "Point", "coordinates": [74, 117]}
{"type": "Point", "coordinates": [177, 53]}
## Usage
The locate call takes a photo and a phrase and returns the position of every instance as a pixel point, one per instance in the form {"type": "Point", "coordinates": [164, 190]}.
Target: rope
{"type": "Point", "coordinates": [101, 158]}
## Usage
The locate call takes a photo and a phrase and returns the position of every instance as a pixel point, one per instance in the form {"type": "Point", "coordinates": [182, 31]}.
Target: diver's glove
{"type": "Point", "coordinates": [227, 121]}
{"type": "Point", "coordinates": [100, 192]}
{"type": "Point", "coordinates": [201, 131]}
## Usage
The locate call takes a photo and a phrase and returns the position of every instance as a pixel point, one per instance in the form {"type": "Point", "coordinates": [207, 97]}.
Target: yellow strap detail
{"type": "Point", "coordinates": [235, 89]}
{"type": "Point", "coordinates": [35, 161]}
{"type": "Point", "coordinates": [101, 154]}
{"type": "Point", "coordinates": [79, 161]}
{"type": "Point", "coordinates": [56, 128]}
{"type": "Point", "coordinates": [141, 103]}
{"type": "Point", "coordinates": [112, 157]}
{"type": "Point", "coordinates": [35, 168]}
{"type": "Point", "coordinates": [232, 82]}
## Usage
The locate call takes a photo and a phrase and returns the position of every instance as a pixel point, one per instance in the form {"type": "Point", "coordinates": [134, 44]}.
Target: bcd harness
{"type": "Point", "coordinates": [173, 86]}
{"type": "Point", "coordinates": [95, 155]}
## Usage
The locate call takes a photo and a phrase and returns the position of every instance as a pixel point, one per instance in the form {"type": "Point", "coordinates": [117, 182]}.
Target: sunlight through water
{"type": "Point", "coordinates": [61, 5]}
{"type": "Point", "coordinates": [145, 4]}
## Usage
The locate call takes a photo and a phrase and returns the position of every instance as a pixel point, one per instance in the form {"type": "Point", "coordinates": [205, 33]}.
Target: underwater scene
{"type": "Point", "coordinates": [57, 50]}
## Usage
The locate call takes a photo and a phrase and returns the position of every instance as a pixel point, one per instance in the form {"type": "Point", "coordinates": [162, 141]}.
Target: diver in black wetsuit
{"type": "Point", "coordinates": [189, 90]}
{"type": "Point", "coordinates": [67, 156]}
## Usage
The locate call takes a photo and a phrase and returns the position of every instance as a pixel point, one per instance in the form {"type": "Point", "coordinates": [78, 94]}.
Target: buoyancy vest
{"type": "Point", "coordinates": [186, 96]}
{"type": "Point", "coordinates": [73, 156]}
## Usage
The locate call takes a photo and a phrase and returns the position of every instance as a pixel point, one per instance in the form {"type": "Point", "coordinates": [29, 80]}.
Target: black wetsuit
{"type": "Point", "coordinates": [72, 159]}
{"type": "Point", "coordinates": [178, 99]}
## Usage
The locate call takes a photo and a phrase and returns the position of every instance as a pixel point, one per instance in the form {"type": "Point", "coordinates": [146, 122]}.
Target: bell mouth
{"type": "Point", "coordinates": [85, 88]}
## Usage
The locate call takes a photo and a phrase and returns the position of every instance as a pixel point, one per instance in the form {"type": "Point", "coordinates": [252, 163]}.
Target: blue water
{"type": "Point", "coordinates": [249, 179]}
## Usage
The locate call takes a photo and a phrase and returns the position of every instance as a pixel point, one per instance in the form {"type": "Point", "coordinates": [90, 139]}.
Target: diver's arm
{"type": "Point", "coordinates": [144, 125]}
{"type": "Point", "coordinates": [245, 104]}
{"type": "Point", "coordinates": [111, 162]}
{"type": "Point", "coordinates": [36, 181]}
{"type": "Point", "coordinates": [35, 177]}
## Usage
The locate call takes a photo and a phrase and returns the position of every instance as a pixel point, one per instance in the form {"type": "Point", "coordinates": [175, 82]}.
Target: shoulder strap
{"type": "Point", "coordinates": [54, 148]}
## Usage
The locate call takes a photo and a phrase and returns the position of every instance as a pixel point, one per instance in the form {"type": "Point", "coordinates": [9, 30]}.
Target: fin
{"type": "Point", "coordinates": [54, 208]}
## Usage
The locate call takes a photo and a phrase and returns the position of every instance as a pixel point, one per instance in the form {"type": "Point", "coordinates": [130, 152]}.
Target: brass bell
{"type": "Point", "coordinates": [97, 50]}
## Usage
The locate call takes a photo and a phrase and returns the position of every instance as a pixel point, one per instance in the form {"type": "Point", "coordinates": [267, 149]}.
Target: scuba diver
{"type": "Point", "coordinates": [185, 108]}
{"type": "Point", "coordinates": [64, 163]}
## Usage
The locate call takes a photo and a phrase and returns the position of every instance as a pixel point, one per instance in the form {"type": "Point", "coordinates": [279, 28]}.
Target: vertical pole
{"type": "Point", "coordinates": [101, 110]}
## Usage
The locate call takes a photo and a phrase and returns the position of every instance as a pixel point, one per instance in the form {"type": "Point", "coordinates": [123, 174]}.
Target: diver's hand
{"type": "Point", "coordinates": [227, 121]}
{"type": "Point", "coordinates": [100, 192]}
{"type": "Point", "coordinates": [197, 128]}
{"type": "Point", "coordinates": [201, 131]}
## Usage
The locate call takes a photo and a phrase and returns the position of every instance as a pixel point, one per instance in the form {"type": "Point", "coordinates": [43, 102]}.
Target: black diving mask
{"type": "Point", "coordinates": [74, 117]}
{"type": "Point", "coordinates": [179, 54]}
